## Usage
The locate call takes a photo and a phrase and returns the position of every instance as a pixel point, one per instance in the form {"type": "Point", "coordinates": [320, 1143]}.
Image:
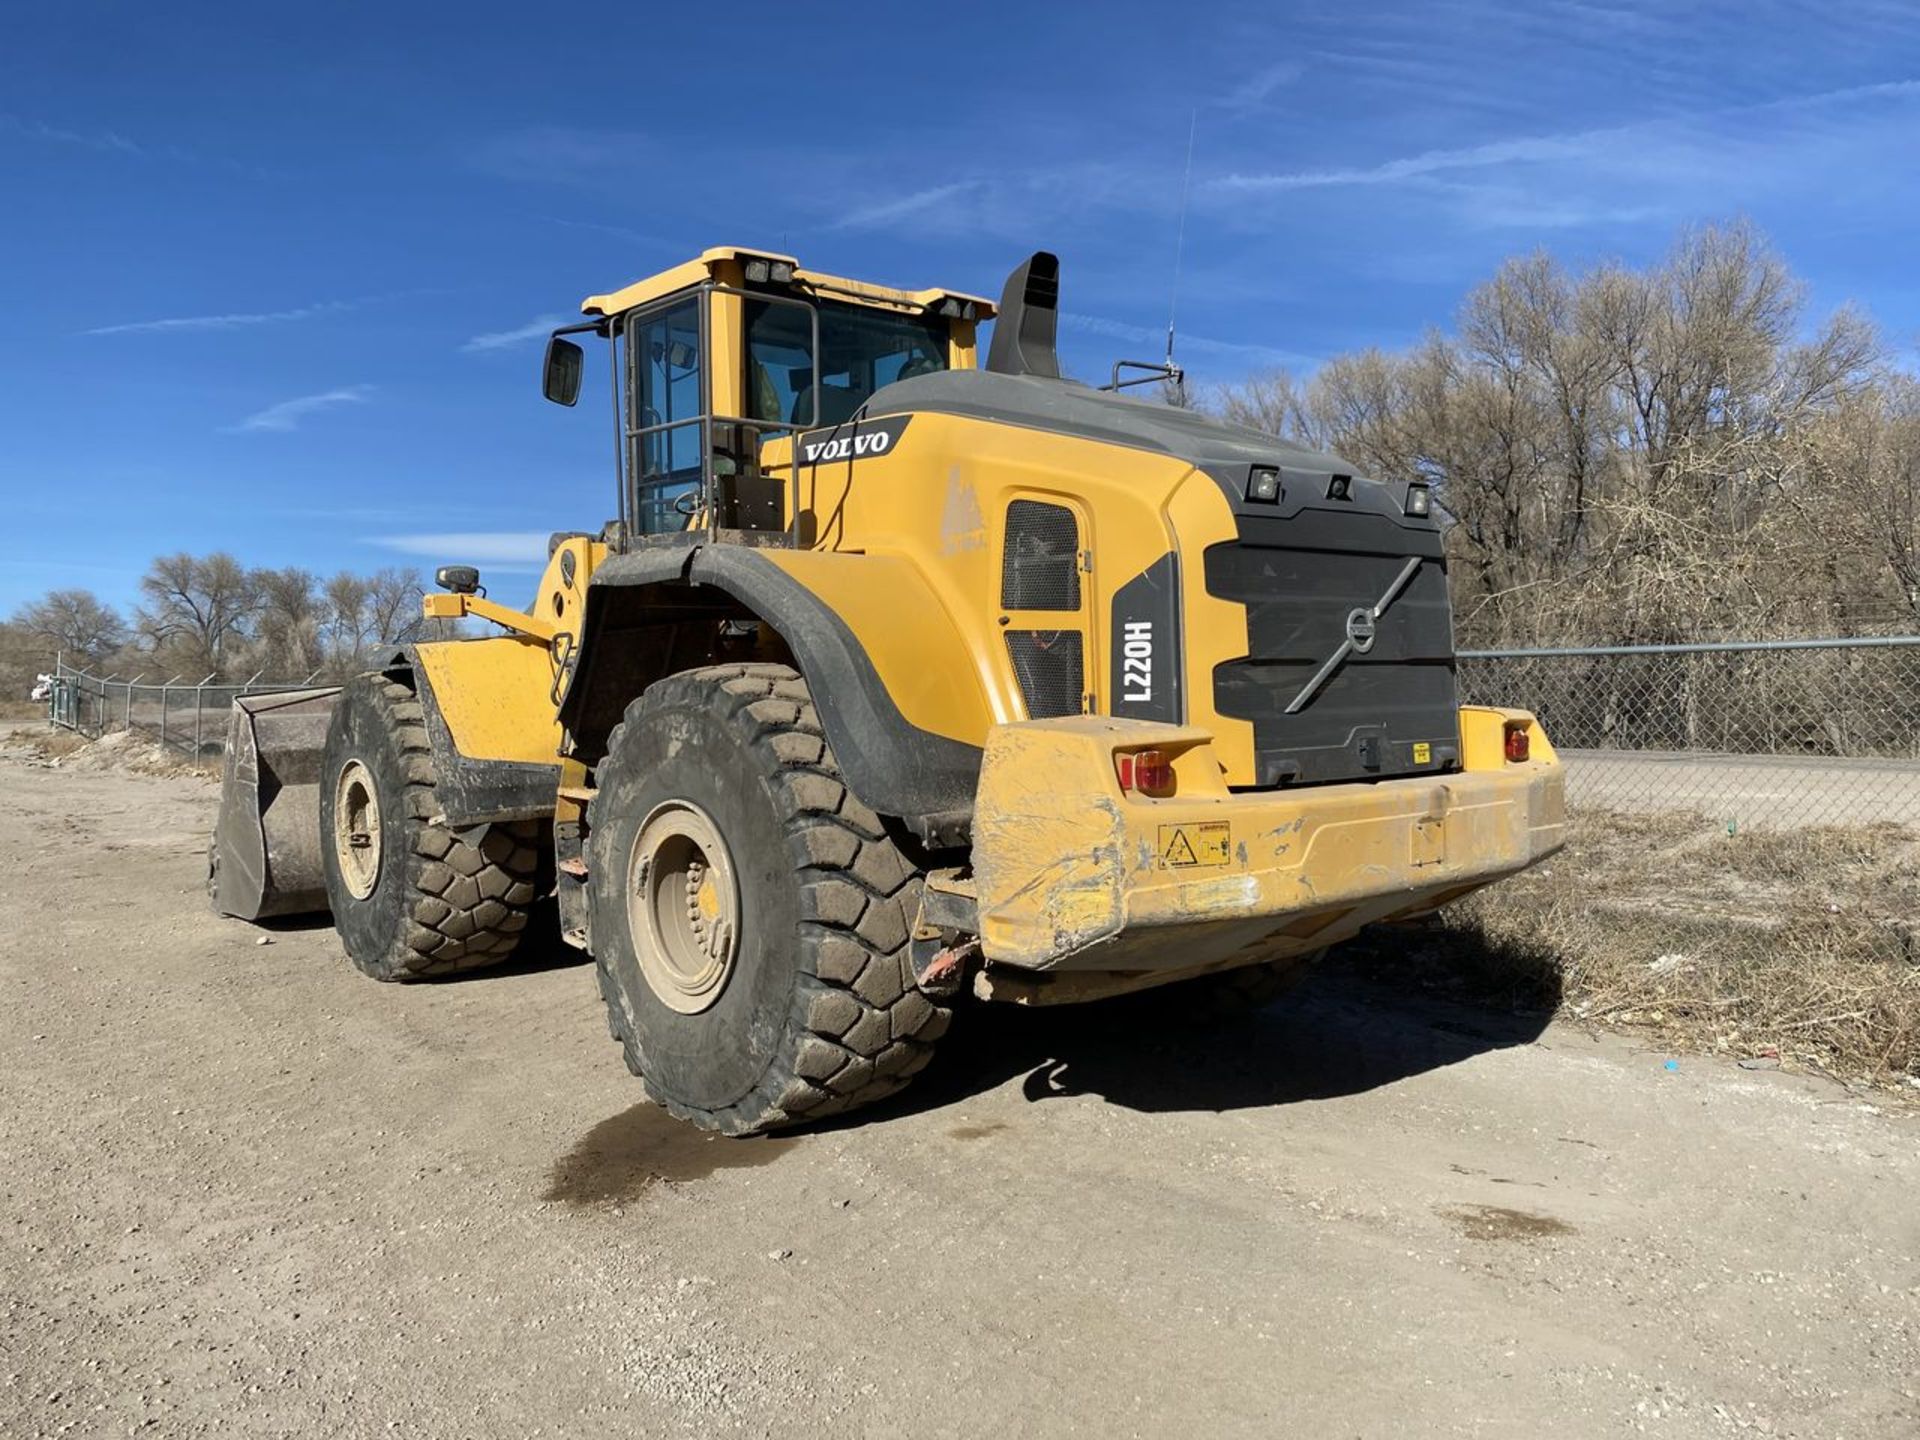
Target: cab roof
{"type": "Point", "coordinates": [711, 262]}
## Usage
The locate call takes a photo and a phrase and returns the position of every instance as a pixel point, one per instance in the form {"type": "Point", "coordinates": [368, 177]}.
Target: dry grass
{"type": "Point", "coordinates": [44, 740]}
{"type": "Point", "coordinates": [1802, 945]}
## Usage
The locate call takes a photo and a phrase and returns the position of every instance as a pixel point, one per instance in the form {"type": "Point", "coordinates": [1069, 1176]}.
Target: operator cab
{"type": "Point", "coordinates": [720, 363]}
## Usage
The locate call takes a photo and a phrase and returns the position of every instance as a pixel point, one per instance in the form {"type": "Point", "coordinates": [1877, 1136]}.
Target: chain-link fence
{"type": "Point", "coordinates": [1773, 734]}
{"type": "Point", "coordinates": [183, 715]}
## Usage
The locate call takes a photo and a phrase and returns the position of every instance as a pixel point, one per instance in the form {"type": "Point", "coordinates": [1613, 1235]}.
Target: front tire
{"type": "Point", "coordinates": [410, 899]}
{"type": "Point", "coordinates": [750, 915]}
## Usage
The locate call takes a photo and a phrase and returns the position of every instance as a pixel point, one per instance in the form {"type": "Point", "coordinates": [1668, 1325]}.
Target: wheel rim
{"type": "Point", "coordinates": [356, 829]}
{"type": "Point", "coordinates": [683, 907]}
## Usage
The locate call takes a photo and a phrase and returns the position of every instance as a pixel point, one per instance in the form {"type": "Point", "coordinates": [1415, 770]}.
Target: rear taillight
{"type": "Point", "coordinates": [1144, 772]}
{"type": "Point", "coordinates": [1519, 746]}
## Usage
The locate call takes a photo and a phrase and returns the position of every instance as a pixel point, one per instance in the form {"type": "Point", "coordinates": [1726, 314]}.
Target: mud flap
{"type": "Point", "coordinates": [265, 858]}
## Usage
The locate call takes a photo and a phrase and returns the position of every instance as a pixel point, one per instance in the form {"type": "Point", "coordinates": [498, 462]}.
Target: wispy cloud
{"type": "Point", "coordinates": [619, 232]}
{"type": "Point", "coordinates": [505, 549]}
{"type": "Point", "coordinates": [1185, 343]}
{"type": "Point", "coordinates": [535, 328]}
{"type": "Point", "coordinates": [1428, 162]}
{"type": "Point", "coordinates": [560, 152]}
{"type": "Point", "coordinates": [112, 142]}
{"type": "Point", "coordinates": [888, 211]}
{"type": "Point", "coordinates": [234, 320]}
{"type": "Point", "coordinates": [1543, 149]}
{"type": "Point", "coordinates": [106, 141]}
{"type": "Point", "coordinates": [1258, 87]}
{"type": "Point", "coordinates": [288, 414]}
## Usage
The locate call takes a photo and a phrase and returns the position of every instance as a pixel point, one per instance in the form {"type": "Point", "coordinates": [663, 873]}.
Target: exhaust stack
{"type": "Point", "coordinates": [1023, 333]}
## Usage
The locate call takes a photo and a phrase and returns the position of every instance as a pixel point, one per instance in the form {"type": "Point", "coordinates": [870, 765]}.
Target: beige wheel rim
{"type": "Point", "coordinates": [356, 829]}
{"type": "Point", "coordinates": [683, 908]}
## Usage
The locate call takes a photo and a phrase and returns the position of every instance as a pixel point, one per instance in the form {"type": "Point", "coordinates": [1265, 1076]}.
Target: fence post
{"type": "Point", "coordinates": [128, 719]}
{"type": "Point", "coordinates": [199, 699]}
{"type": "Point", "coordinates": [166, 688]}
{"type": "Point", "coordinates": [100, 713]}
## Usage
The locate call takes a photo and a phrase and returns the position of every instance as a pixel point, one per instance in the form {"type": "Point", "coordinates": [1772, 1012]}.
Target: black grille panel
{"type": "Point", "coordinates": [1051, 670]}
{"type": "Point", "coordinates": [1042, 570]}
{"type": "Point", "coordinates": [1388, 710]}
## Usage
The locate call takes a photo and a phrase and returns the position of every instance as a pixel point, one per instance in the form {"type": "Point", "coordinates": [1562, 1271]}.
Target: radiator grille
{"type": "Point", "coordinates": [1042, 570]}
{"type": "Point", "coordinates": [1050, 669]}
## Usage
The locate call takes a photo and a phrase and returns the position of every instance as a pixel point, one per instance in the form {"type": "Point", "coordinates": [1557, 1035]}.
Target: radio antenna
{"type": "Point", "coordinates": [1180, 239]}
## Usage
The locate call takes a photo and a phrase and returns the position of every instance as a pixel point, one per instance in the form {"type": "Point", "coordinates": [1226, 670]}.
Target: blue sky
{"type": "Point", "coordinates": [271, 276]}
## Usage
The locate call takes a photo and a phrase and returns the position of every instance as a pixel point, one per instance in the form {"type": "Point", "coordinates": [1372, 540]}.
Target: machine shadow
{"type": "Point", "coordinates": [1344, 1031]}
{"type": "Point", "coordinates": [540, 950]}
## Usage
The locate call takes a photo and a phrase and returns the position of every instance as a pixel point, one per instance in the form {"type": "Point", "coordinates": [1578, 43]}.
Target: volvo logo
{"type": "Point", "coordinates": [1363, 625]}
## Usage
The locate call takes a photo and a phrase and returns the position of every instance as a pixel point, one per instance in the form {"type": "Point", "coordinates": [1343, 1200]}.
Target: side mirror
{"type": "Point", "coordinates": [560, 375]}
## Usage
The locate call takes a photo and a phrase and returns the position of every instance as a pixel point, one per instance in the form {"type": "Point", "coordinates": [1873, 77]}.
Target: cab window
{"type": "Point", "coordinates": [862, 348]}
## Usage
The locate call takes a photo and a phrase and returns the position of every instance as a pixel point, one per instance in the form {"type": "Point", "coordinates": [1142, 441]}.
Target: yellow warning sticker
{"type": "Point", "coordinates": [1206, 843]}
{"type": "Point", "coordinates": [1422, 753]}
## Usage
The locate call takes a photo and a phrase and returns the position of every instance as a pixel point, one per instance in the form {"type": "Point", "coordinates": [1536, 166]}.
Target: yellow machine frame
{"type": "Point", "coordinates": [903, 549]}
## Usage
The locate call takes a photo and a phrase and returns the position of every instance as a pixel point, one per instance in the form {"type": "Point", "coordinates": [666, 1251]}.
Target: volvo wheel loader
{"type": "Point", "coordinates": [898, 678]}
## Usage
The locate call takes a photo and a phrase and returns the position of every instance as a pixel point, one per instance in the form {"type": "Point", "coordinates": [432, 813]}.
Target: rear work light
{"type": "Point", "coordinates": [1519, 747]}
{"type": "Point", "coordinates": [1144, 772]}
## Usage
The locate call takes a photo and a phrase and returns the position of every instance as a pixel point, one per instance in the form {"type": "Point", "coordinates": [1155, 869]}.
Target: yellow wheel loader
{"type": "Point", "coordinates": [898, 678]}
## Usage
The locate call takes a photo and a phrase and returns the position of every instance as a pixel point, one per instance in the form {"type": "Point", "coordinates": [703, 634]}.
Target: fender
{"type": "Point", "coordinates": [892, 766]}
{"type": "Point", "coordinates": [472, 789]}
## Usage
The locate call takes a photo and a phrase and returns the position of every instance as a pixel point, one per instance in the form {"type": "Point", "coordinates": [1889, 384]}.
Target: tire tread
{"type": "Point", "coordinates": [858, 1027]}
{"type": "Point", "coordinates": [461, 912]}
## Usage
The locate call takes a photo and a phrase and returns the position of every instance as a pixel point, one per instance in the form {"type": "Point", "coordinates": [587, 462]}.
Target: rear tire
{"type": "Point", "coordinates": [750, 915]}
{"type": "Point", "coordinates": [410, 899]}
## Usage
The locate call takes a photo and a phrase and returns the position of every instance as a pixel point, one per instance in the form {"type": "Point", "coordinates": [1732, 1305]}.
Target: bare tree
{"type": "Point", "coordinates": [1269, 401]}
{"type": "Point", "coordinates": [349, 631]}
{"type": "Point", "coordinates": [1634, 454]}
{"type": "Point", "coordinates": [197, 607]}
{"type": "Point", "coordinates": [393, 606]}
{"type": "Point", "coordinates": [73, 621]}
{"type": "Point", "coordinates": [292, 622]}
{"type": "Point", "coordinates": [1867, 456]}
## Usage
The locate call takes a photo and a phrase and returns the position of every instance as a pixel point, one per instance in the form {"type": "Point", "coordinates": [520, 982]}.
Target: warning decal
{"type": "Point", "coordinates": [1422, 752]}
{"type": "Point", "coordinates": [1206, 843]}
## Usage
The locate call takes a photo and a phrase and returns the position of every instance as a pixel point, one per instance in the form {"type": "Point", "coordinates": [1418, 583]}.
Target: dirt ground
{"type": "Point", "coordinates": [248, 1192]}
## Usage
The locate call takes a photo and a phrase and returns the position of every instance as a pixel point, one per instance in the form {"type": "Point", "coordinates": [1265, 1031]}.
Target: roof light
{"type": "Point", "coordinates": [1263, 484]}
{"type": "Point", "coordinates": [1340, 487]}
{"type": "Point", "coordinates": [758, 272]}
{"type": "Point", "coordinates": [948, 307]}
{"type": "Point", "coordinates": [969, 311]}
{"type": "Point", "coordinates": [1419, 501]}
{"type": "Point", "coordinates": [782, 272]}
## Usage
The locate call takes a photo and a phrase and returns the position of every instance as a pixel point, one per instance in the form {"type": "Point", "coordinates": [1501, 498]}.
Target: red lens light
{"type": "Point", "coordinates": [1146, 772]}
{"type": "Point", "coordinates": [1519, 745]}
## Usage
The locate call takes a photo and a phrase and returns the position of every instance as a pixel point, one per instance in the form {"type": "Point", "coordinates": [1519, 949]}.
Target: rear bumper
{"type": "Point", "coordinates": [1071, 873]}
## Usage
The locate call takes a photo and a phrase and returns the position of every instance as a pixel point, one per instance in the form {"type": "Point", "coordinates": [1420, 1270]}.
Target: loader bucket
{"type": "Point", "coordinates": [265, 857]}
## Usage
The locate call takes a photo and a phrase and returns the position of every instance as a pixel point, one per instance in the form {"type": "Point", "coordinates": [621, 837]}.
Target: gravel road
{"type": "Point", "coordinates": [248, 1192]}
{"type": "Point", "coordinates": [1748, 790]}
